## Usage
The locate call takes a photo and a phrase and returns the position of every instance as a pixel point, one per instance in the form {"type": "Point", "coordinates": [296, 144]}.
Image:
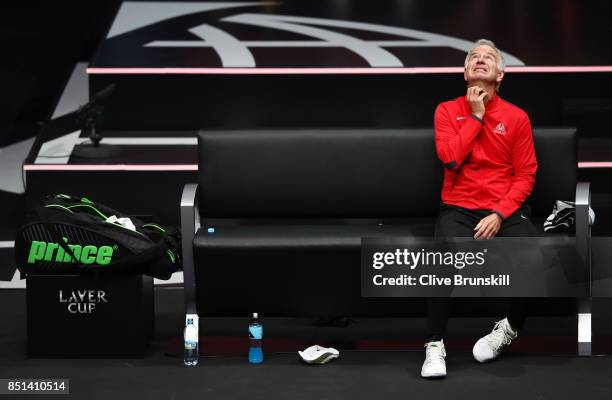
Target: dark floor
{"type": "Point", "coordinates": [356, 375]}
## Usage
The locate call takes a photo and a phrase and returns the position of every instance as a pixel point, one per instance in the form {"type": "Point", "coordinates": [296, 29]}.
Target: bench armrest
{"type": "Point", "coordinates": [190, 224]}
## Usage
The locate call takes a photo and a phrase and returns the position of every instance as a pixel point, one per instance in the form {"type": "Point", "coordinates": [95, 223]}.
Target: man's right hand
{"type": "Point", "coordinates": [475, 97]}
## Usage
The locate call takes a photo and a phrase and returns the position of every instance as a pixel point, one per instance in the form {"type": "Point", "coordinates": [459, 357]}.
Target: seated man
{"type": "Point", "coordinates": [486, 147]}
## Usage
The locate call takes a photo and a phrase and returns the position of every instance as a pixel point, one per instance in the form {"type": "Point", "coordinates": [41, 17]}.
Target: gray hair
{"type": "Point", "coordinates": [501, 63]}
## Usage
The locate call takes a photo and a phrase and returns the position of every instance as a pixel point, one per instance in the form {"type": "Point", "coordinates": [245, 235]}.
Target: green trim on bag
{"type": "Point", "coordinates": [94, 208]}
{"type": "Point", "coordinates": [171, 255]}
{"type": "Point", "coordinates": [155, 226]}
{"type": "Point", "coordinates": [59, 206]}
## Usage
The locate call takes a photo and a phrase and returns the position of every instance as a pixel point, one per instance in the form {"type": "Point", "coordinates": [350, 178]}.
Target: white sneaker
{"type": "Point", "coordinates": [434, 365]}
{"type": "Point", "coordinates": [489, 347]}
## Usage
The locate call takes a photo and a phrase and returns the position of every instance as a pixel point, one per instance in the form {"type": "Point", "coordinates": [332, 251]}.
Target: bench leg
{"type": "Point", "coordinates": [584, 327]}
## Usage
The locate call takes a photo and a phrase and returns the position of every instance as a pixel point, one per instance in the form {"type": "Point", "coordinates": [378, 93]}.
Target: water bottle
{"type": "Point", "coordinates": [255, 336]}
{"type": "Point", "coordinates": [191, 341]}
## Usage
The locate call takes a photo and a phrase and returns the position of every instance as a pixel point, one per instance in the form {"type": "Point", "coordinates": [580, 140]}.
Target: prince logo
{"type": "Point", "coordinates": [89, 254]}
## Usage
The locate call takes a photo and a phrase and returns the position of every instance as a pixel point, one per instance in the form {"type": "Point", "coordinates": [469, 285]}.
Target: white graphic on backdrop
{"type": "Point", "coordinates": [319, 31]}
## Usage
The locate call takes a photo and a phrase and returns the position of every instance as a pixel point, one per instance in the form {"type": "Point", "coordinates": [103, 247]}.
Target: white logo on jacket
{"type": "Point", "coordinates": [500, 129]}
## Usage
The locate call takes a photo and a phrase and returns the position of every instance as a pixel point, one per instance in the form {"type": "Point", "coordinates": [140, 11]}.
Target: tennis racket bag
{"type": "Point", "coordinates": [69, 234]}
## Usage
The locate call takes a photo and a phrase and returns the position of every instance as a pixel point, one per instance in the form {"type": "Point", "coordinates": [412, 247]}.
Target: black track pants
{"type": "Point", "coordinates": [460, 222]}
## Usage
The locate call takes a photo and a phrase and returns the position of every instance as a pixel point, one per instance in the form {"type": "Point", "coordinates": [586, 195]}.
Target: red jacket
{"type": "Point", "coordinates": [489, 165]}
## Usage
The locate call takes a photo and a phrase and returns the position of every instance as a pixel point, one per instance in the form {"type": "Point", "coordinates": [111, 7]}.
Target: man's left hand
{"type": "Point", "coordinates": [488, 227]}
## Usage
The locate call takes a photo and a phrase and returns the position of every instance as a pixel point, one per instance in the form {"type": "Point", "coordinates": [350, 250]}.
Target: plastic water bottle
{"type": "Point", "coordinates": [255, 337]}
{"type": "Point", "coordinates": [191, 341]}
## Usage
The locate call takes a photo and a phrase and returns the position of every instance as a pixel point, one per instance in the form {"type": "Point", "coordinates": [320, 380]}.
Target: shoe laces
{"type": "Point", "coordinates": [434, 352]}
{"type": "Point", "coordinates": [499, 336]}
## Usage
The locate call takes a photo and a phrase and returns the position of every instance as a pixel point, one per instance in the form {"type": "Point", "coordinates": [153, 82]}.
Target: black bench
{"type": "Point", "coordinates": [276, 219]}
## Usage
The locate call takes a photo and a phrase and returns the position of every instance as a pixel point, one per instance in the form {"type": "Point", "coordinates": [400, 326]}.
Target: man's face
{"type": "Point", "coordinates": [482, 66]}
